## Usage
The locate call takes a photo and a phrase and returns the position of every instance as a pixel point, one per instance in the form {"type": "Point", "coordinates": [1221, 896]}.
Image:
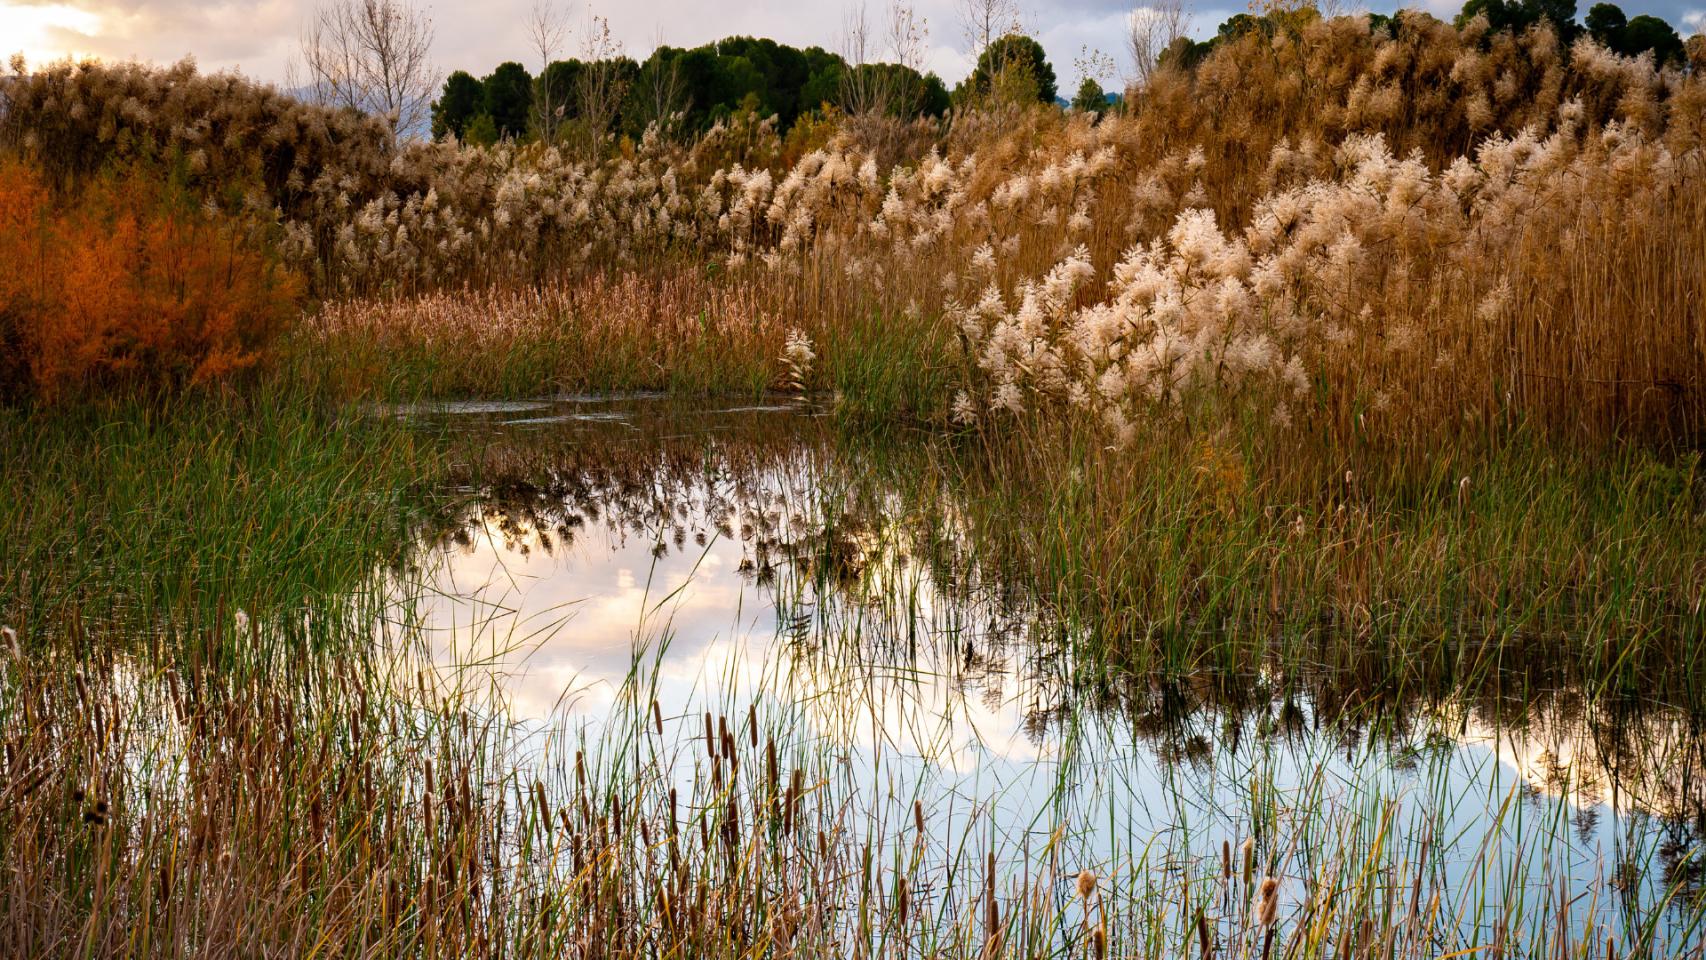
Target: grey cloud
{"type": "Point", "coordinates": [260, 38]}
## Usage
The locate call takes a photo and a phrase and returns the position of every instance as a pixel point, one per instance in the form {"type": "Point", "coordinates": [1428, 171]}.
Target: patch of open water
{"type": "Point", "coordinates": [732, 561]}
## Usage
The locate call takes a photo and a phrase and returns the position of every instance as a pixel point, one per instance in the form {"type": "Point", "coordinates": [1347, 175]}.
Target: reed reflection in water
{"type": "Point", "coordinates": [745, 564]}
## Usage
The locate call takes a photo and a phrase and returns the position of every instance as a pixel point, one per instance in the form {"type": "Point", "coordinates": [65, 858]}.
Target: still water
{"type": "Point", "coordinates": [743, 562]}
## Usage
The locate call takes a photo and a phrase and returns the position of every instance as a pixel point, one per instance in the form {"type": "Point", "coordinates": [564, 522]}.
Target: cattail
{"type": "Point", "coordinates": [1249, 851]}
{"type": "Point", "coordinates": [1204, 940]}
{"type": "Point", "coordinates": [790, 812]}
{"type": "Point", "coordinates": [918, 819]}
{"type": "Point", "coordinates": [1267, 913]}
{"type": "Point", "coordinates": [1086, 884]}
{"type": "Point", "coordinates": [770, 771]}
{"type": "Point", "coordinates": [1099, 942]}
{"type": "Point", "coordinates": [1267, 902]}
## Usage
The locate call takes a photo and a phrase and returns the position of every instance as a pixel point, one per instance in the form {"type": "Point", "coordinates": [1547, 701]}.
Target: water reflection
{"type": "Point", "coordinates": [608, 554]}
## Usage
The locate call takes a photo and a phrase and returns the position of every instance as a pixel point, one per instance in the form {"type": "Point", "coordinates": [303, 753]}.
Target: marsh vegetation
{"type": "Point", "coordinates": [1264, 519]}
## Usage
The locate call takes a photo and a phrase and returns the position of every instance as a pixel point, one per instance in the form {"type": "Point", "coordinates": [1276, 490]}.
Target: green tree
{"type": "Point", "coordinates": [1184, 53]}
{"type": "Point", "coordinates": [937, 101]}
{"type": "Point", "coordinates": [1090, 97]}
{"type": "Point", "coordinates": [898, 90]}
{"type": "Point", "coordinates": [1516, 16]}
{"type": "Point", "coordinates": [823, 85]}
{"type": "Point", "coordinates": [1014, 65]}
{"type": "Point", "coordinates": [1646, 33]}
{"type": "Point", "coordinates": [1631, 38]}
{"type": "Point", "coordinates": [481, 131]}
{"type": "Point", "coordinates": [462, 98]}
{"type": "Point", "coordinates": [1650, 33]}
{"type": "Point", "coordinates": [1605, 23]}
{"type": "Point", "coordinates": [703, 84]}
{"type": "Point", "coordinates": [558, 83]}
{"type": "Point", "coordinates": [509, 98]}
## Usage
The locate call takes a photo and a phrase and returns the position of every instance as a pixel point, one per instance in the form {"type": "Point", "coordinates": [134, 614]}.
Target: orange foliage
{"type": "Point", "coordinates": [128, 283]}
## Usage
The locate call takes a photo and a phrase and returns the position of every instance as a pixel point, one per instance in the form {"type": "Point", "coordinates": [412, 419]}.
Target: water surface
{"type": "Point", "coordinates": [745, 562]}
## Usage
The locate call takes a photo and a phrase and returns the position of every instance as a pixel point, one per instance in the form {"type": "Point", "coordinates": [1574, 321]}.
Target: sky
{"type": "Point", "coordinates": [261, 37]}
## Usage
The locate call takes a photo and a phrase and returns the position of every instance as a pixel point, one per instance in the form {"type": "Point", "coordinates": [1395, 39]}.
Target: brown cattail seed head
{"type": "Point", "coordinates": [1267, 910]}
{"type": "Point", "coordinates": [1086, 884]}
{"type": "Point", "coordinates": [1099, 941]}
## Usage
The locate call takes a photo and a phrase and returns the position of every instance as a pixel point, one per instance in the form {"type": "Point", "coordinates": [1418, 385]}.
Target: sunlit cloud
{"type": "Point", "coordinates": [43, 32]}
{"type": "Point", "coordinates": [256, 38]}
{"type": "Point", "coordinates": [260, 38]}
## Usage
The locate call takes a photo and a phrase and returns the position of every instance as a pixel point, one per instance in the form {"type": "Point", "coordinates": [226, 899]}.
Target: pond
{"type": "Point", "coordinates": [627, 570]}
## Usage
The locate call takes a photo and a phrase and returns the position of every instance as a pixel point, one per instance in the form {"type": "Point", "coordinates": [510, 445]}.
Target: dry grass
{"type": "Point", "coordinates": [312, 807]}
{"type": "Point", "coordinates": [1402, 235]}
{"type": "Point", "coordinates": [675, 331]}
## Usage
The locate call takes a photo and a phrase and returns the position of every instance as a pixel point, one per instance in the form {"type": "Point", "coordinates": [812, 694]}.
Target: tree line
{"type": "Point", "coordinates": [690, 89]}
{"type": "Point", "coordinates": [1606, 23]}
{"type": "Point", "coordinates": [694, 88]}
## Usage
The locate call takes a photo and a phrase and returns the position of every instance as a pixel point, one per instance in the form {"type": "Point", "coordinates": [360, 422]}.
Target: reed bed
{"type": "Point", "coordinates": [1402, 232]}
{"type": "Point", "coordinates": [679, 332]}
{"type": "Point", "coordinates": [322, 785]}
{"type": "Point", "coordinates": [126, 515]}
{"type": "Point", "coordinates": [350, 807]}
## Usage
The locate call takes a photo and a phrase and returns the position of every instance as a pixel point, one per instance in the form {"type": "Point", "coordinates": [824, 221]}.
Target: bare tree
{"type": "Point", "coordinates": [870, 88]}
{"type": "Point", "coordinates": [546, 29]}
{"type": "Point", "coordinates": [663, 91]}
{"type": "Point", "coordinates": [372, 55]}
{"type": "Point", "coordinates": [863, 91]}
{"type": "Point", "coordinates": [909, 36]}
{"type": "Point", "coordinates": [1154, 26]}
{"type": "Point", "coordinates": [985, 21]}
{"type": "Point", "coordinates": [602, 85]}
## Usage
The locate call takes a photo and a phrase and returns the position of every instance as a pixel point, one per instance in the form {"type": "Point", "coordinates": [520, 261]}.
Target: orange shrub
{"type": "Point", "coordinates": [127, 282]}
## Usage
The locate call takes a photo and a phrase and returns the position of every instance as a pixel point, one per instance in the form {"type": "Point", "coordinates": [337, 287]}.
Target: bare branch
{"type": "Point", "coordinates": [546, 28]}
{"type": "Point", "coordinates": [602, 86]}
{"type": "Point", "coordinates": [985, 21]}
{"type": "Point", "coordinates": [1154, 27]}
{"type": "Point", "coordinates": [664, 92]}
{"type": "Point", "coordinates": [373, 56]}
{"type": "Point", "coordinates": [870, 88]}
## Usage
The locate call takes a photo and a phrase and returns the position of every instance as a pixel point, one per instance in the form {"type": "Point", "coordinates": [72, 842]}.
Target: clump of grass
{"type": "Point", "coordinates": [126, 513]}
{"type": "Point", "coordinates": [673, 331]}
{"type": "Point", "coordinates": [1185, 551]}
